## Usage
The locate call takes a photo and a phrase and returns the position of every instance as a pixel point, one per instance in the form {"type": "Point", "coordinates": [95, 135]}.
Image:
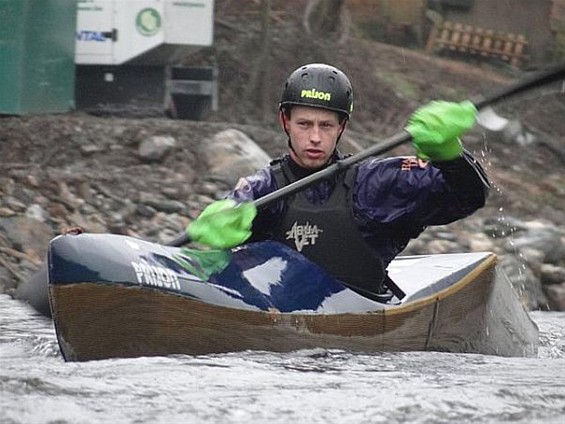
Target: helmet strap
{"type": "Point", "coordinates": [343, 125]}
{"type": "Point", "coordinates": [282, 120]}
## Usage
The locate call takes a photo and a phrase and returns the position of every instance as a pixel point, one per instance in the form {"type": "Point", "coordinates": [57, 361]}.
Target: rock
{"type": "Point", "coordinates": [551, 274]}
{"type": "Point", "coordinates": [90, 223]}
{"type": "Point", "coordinates": [23, 194]}
{"type": "Point", "coordinates": [534, 258]}
{"type": "Point", "coordinates": [443, 234]}
{"type": "Point", "coordinates": [145, 211]}
{"type": "Point", "coordinates": [7, 186]}
{"type": "Point", "coordinates": [6, 212]}
{"type": "Point", "coordinates": [514, 133]}
{"type": "Point", "coordinates": [165, 205]}
{"type": "Point", "coordinates": [14, 204]}
{"type": "Point", "coordinates": [231, 154]}
{"type": "Point", "coordinates": [7, 282]}
{"type": "Point", "coordinates": [540, 236]}
{"type": "Point", "coordinates": [172, 192]}
{"type": "Point", "coordinates": [91, 148]}
{"type": "Point", "coordinates": [167, 226]}
{"type": "Point", "coordinates": [443, 246]}
{"type": "Point", "coordinates": [556, 296]}
{"type": "Point", "coordinates": [490, 120]}
{"type": "Point", "coordinates": [481, 243]}
{"type": "Point", "coordinates": [524, 282]}
{"type": "Point", "coordinates": [35, 211]}
{"type": "Point", "coordinates": [503, 226]}
{"type": "Point", "coordinates": [27, 234]}
{"type": "Point", "coordinates": [504, 130]}
{"type": "Point", "coordinates": [34, 291]}
{"type": "Point", "coordinates": [68, 197]}
{"type": "Point", "coordinates": [154, 149]}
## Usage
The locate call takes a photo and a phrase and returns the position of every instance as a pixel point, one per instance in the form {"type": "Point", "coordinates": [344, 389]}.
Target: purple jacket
{"type": "Point", "coordinates": [393, 199]}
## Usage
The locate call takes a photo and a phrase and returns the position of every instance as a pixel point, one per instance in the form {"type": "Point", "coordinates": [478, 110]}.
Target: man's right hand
{"type": "Point", "coordinates": [223, 224]}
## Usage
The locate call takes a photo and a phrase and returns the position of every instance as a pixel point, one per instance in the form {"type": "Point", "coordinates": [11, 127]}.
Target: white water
{"type": "Point", "coordinates": [320, 386]}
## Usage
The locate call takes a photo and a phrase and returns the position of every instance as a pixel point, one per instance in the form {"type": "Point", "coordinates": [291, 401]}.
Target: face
{"type": "Point", "coordinates": [313, 135]}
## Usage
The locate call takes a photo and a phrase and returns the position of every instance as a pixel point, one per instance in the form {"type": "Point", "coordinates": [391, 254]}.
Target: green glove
{"type": "Point", "coordinates": [435, 129]}
{"type": "Point", "coordinates": [223, 224]}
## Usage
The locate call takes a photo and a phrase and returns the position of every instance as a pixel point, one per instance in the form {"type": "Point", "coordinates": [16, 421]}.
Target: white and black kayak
{"type": "Point", "coordinates": [117, 296]}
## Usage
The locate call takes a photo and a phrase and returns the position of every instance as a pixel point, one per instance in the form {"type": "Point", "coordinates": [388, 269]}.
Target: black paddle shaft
{"type": "Point", "coordinates": [536, 80]}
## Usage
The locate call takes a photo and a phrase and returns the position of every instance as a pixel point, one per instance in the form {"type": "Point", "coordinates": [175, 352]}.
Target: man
{"type": "Point", "coordinates": [355, 223]}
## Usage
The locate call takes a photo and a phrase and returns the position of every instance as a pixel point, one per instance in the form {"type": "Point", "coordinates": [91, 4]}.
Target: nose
{"type": "Point", "coordinates": [315, 134]}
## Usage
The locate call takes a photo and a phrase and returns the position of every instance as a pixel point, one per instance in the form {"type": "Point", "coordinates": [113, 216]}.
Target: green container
{"type": "Point", "coordinates": [37, 51]}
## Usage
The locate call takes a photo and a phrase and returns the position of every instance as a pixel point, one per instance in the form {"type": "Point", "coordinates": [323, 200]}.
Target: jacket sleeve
{"type": "Point", "coordinates": [467, 180]}
{"type": "Point", "coordinates": [254, 187]}
{"type": "Point", "coordinates": [408, 194]}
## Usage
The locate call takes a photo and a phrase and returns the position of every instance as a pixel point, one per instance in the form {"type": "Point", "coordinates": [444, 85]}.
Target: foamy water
{"type": "Point", "coordinates": [315, 386]}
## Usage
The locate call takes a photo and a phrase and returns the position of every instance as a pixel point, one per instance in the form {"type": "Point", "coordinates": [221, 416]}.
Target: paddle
{"type": "Point", "coordinates": [539, 79]}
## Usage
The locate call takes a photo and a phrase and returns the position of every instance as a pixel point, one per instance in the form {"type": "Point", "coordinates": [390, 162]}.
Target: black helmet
{"type": "Point", "coordinates": [318, 85]}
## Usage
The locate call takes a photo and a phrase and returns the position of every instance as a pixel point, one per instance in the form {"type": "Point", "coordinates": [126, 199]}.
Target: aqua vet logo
{"type": "Point", "coordinates": [303, 235]}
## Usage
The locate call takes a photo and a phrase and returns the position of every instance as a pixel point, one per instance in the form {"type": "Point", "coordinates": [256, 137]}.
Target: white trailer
{"type": "Point", "coordinates": [128, 55]}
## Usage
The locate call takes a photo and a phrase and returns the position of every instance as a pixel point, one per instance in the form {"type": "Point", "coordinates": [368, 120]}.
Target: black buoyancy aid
{"type": "Point", "coordinates": [328, 235]}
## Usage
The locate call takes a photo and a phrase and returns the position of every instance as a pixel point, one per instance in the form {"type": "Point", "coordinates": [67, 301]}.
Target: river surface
{"type": "Point", "coordinates": [314, 386]}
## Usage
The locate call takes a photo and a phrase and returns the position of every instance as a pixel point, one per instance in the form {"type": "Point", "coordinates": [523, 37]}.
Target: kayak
{"type": "Point", "coordinates": [114, 296]}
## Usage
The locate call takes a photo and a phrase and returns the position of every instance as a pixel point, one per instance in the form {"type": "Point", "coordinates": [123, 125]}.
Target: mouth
{"type": "Point", "coordinates": [314, 153]}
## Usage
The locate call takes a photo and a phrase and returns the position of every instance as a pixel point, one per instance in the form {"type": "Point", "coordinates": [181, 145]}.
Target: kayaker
{"type": "Point", "coordinates": [354, 224]}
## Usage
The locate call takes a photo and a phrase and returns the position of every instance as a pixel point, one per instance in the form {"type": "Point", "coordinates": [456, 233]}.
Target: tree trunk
{"type": "Point", "coordinates": [323, 17]}
{"type": "Point", "coordinates": [258, 87]}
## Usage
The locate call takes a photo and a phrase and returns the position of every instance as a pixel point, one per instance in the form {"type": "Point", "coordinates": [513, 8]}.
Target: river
{"type": "Point", "coordinates": [315, 386]}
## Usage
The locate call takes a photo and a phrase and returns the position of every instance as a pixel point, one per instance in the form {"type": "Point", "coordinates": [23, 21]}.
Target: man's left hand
{"type": "Point", "coordinates": [436, 127]}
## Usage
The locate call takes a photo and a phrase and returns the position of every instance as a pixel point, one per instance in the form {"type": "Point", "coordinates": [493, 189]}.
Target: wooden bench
{"type": "Point", "coordinates": [474, 41]}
